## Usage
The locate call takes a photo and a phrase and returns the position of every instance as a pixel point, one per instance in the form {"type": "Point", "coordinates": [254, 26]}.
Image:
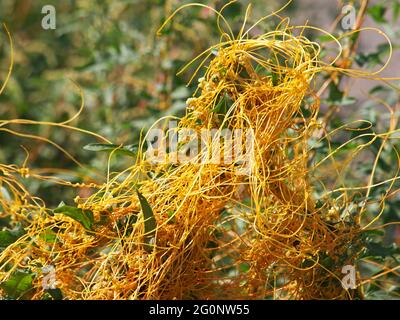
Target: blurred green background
{"type": "Point", "coordinates": [127, 74]}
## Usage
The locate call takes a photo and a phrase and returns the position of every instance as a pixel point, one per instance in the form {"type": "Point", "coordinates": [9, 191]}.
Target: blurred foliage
{"type": "Point", "coordinates": [381, 247]}
{"type": "Point", "coordinates": [111, 50]}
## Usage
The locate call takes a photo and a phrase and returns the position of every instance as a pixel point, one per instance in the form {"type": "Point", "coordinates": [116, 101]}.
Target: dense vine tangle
{"type": "Point", "coordinates": [217, 233]}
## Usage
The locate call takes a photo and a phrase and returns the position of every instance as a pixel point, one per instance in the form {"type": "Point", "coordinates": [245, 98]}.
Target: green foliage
{"type": "Point", "coordinates": [374, 58]}
{"type": "Point", "coordinates": [223, 105]}
{"type": "Point", "coordinates": [8, 237]}
{"type": "Point", "coordinates": [53, 294]}
{"type": "Point", "coordinates": [18, 285]}
{"type": "Point", "coordinates": [150, 223]}
{"type": "Point", "coordinates": [84, 217]}
{"type": "Point", "coordinates": [126, 72]}
{"type": "Point", "coordinates": [337, 97]}
{"type": "Point", "coordinates": [377, 12]}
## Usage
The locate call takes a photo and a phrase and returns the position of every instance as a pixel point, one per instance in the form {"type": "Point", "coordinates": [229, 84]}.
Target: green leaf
{"type": "Point", "coordinates": [348, 101]}
{"type": "Point", "coordinates": [325, 38]}
{"type": "Point", "coordinates": [374, 58]}
{"type": "Point", "coordinates": [53, 294]}
{"type": "Point", "coordinates": [327, 261]}
{"type": "Point", "coordinates": [377, 89]}
{"type": "Point", "coordinates": [377, 249]}
{"type": "Point", "coordinates": [129, 150]}
{"type": "Point", "coordinates": [150, 223]}
{"type": "Point", "coordinates": [336, 97]}
{"type": "Point", "coordinates": [48, 236]}
{"type": "Point", "coordinates": [375, 232]}
{"type": "Point", "coordinates": [171, 216]}
{"type": "Point", "coordinates": [244, 267]}
{"type": "Point", "coordinates": [8, 237]}
{"type": "Point", "coordinates": [377, 294]}
{"type": "Point", "coordinates": [396, 10]}
{"type": "Point", "coordinates": [18, 284]}
{"type": "Point", "coordinates": [371, 59]}
{"type": "Point", "coordinates": [223, 105]}
{"type": "Point", "coordinates": [263, 72]}
{"type": "Point", "coordinates": [275, 78]}
{"type": "Point", "coordinates": [84, 217]}
{"type": "Point", "coordinates": [377, 12]}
